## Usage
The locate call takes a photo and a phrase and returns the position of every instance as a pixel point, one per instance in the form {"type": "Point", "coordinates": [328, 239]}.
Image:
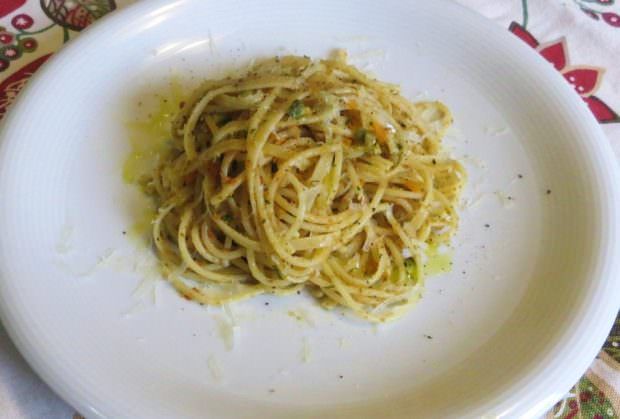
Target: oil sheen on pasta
{"type": "Point", "coordinates": [299, 174]}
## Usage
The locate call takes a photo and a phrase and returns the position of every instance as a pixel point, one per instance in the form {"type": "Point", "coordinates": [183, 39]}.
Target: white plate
{"type": "Point", "coordinates": [528, 304]}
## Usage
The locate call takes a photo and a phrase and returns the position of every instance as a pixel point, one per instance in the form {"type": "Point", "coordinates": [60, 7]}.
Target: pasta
{"type": "Point", "coordinates": [304, 174]}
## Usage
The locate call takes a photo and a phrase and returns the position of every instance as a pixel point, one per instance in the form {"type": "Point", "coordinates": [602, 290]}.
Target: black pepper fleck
{"type": "Point", "coordinates": [341, 376]}
{"type": "Point", "coordinates": [124, 232]}
{"type": "Point", "coordinates": [520, 176]}
{"type": "Point", "coordinates": [266, 303]}
{"type": "Point", "coordinates": [548, 191]}
{"type": "Point", "coordinates": [487, 225]}
{"type": "Point", "coordinates": [429, 337]}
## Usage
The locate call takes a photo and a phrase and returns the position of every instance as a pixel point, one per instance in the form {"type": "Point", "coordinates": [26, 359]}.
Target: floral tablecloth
{"type": "Point", "coordinates": [580, 38]}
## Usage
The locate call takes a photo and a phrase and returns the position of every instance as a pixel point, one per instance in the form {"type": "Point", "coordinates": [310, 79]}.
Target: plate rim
{"type": "Point", "coordinates": [598, 142]}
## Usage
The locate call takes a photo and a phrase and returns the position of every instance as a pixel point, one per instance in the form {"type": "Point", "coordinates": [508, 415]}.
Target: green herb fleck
{"type": "Point", "coordinates": [410, 268]}
{"type": "Point", "coordinates": [296, 109]}
{"type": "Point", "coordinates": [363, 137]}
{"type": "Point", "coordinates": [360, 135]}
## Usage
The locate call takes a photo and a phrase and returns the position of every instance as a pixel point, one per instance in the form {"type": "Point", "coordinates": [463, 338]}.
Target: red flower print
{"type": "Point", "coordinates": [612, 19]}
{"type": "Point", "coordinates": [28, 44]}
{"type": "Point", "coordinates": [12, 85]}
{"type": "Point", "coordinates": [572, 404]}
{"type": "Point", "coordinates": [523, 34]}
{"type": "Point", "coordinates": [4, 64]}
{"type": "Point", "coordinates": [10, 52]}
{"type": "Point", "coordinates": [597, 416]}
{"type": "Point", "coordinates": [585, 396]}
{"type": "Point", "coordinates": [22, 21]}
{"type": "Point", "coordinates": [600, 109]}
{"type": "Point", "coordinates": [555, 53]}
{"type": "Point", "coordinates": [9, 6]}
{"type": "Point", "coordinates": [585, 79]}
{"type": "Point", "coordinates": [6, 38]}
{"type": "Point", "coordinates": [76, 15]}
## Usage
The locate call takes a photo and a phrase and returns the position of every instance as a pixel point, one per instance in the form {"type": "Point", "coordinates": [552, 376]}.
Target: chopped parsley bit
{"type": "Point", "coordinates": [410, 268]}
{"type": "Point", "coordinates": [429, 337]}
{"type": "Point", "coordinates": [227, 218]}
{"type": "Point", "coordinates": [363, 137]}
{"type": "Point", "coordinates": [296, 109]}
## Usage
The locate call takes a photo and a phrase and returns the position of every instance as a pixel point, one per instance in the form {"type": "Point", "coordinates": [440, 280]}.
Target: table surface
{"type": "Point", "coordinates": [575, 36]}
